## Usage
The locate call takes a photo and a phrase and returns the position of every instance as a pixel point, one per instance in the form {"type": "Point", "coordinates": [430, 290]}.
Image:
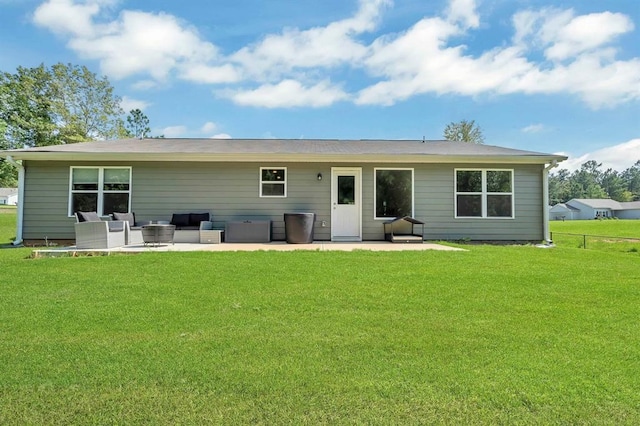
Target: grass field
{"type": "Point", "coordinates": [7, 224]}
{"type": "Point", "coordinates": [603, 235]}
{"type": "Point", "coordinates": [493, 335]}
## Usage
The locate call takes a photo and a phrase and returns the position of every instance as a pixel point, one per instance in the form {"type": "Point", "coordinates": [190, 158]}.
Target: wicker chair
{"type": "Point", "coordinates": [94, 233]}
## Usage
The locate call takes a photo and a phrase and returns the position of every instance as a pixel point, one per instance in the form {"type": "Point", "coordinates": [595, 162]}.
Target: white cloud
{"type": "Point", "coordinates": [203, 73]}
{"type": "Point", "coordinates": [534, 128]}
{"type": "Point", "coordinates": [422, 59]}
{"type": "Point", "coordinates": [564, 35]}
{"type": "Point", "coordinates": [128, 104]}
{"type": "Point", "coordinates": [463, 11]}
{"type": "Point", "coordinates": [154, 44]}
{"type": "Point", "coordinates": [66, 17]}
{"type": "Point", "coordinates": [144, 85]}
{"type": "Point", "coordinates": [288, 94]}
{"type": "Point", "coordinates": [618, 157]}
{"type": "Point", "coordinates": [174, 131]}
{"type": "Point", "coordinates": [221, 136]}
{"type": "Point", "coordinates": [209, 127]}
{"type": "Point", "coordinates": [326, 46]}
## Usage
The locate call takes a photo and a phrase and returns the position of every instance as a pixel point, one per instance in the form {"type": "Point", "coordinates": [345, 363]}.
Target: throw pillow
{"type": "Point", "coordinates": [88, 217]}
{"type": "Point", "coordinates": [127, 217]}
{"type": "Point", "coordinates": [196, 218]}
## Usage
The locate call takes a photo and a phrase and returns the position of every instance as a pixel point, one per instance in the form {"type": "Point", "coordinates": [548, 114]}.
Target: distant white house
{"type": "Point", "coordinates": [9, 196]}
{"type": "Point", "coordinates": [562, 211]}
{"type": "Point", "coordinates": [594, 208]}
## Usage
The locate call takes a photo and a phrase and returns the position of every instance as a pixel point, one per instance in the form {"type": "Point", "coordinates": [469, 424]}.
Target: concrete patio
{"type": "Point", "coordinates": [224, 247]}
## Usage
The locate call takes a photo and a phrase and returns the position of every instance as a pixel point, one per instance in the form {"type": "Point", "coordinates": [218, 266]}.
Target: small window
{"type": "Point", "coordinates": [484, 193]}
{"type": "Point", "coordinates": [273, 182]}
{"type": "Point", "coordinates": [393, 193]}
{"type": "Point", "coordinates": [100, 189]}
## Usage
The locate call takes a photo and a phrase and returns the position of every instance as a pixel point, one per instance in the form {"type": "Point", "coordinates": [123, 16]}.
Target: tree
{"type": "Point", "coordinates": [85, 106]}
{"type": "Point", "coordinates": [631, 177]}
{"type": "Point", "coordinates": [138, 124]}
{"type": "Point", "coordinates": [585, 182]}
{"type": "Point", "coordinates": [63, 104]}
{"type": "Point", "coordinates": [464, 131]}
{"type": "Point", "coordinates": [615, 186]}
{"type": "Point", "coordinates": [26, 109]}
{"type": "Point", "coordinates": [559, 187]}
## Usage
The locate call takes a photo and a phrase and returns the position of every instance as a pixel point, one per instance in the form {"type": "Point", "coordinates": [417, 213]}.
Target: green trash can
{"type": "Point", "coordinates": [298, 227]}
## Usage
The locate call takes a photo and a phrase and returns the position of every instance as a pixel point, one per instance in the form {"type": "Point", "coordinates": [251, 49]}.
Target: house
{"type": "Point", "coordinates": [595, 208]}
{"type": "Point", "coordinates": [9, 196]}
{"type": "Point", "coordinates": [459, 190]}
{"type": "Point", "coordinates": [562, 211]}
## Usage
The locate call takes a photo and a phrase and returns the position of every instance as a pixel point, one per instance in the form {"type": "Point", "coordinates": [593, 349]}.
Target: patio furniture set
{"type": "Point", "coordinates": [122, 229]}
{"type": "Point", "coordinates": [196, 228]}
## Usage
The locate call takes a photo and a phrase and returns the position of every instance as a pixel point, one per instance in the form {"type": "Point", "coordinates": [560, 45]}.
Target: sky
{"type": "Point", "coordinates": [540, 75]}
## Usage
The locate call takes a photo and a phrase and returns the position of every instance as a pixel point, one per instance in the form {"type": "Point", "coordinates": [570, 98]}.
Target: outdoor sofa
{"type": "Point", "coordinates": [188, 226]}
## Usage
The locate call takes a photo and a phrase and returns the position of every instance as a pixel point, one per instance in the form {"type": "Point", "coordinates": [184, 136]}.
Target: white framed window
{"type": "Point", "coordinates": [484, 193]}
{"type": "Point", "coordinates": [273, 182]}
{"type": "Point", "coordinates": [393, 193]}
{"type": "Point", "coordinates": [99, 189]}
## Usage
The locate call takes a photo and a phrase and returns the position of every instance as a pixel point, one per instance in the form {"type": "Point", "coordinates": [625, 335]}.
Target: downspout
{"type": "Point", "coordinates": [545, 201]}
{"type": "Point", "coordinates": [20, 212]}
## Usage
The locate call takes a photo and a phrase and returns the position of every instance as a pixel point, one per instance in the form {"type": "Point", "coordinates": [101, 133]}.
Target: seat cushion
{"type": "Point", "coordinates": [127, 217]}
{"type": "Point", "coordinates": [88, 217]}
{"type": "Point", "coordinates": [180, 219]}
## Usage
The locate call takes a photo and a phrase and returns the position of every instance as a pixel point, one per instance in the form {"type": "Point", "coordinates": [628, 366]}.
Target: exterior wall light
{"type": "Point", "coordinates": [319, 176]}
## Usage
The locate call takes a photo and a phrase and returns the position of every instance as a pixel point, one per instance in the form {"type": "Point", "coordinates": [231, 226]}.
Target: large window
{"type": "Point", "coordinates": [100, 189]}
{"type": "Point", "coordinates": [393, 193]}
{"type": "Point", "coordinates": [484, 193]}
{"type": "Point", "coordinates": [273, 182]}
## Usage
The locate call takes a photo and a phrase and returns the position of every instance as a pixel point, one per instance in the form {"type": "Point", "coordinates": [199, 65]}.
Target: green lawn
{"type": "Point", "coordinates": [603, 235]}
{"type": "Point", "coordinates": [7, 224]}
{"type": "Point", "coordinates": [493, 335]}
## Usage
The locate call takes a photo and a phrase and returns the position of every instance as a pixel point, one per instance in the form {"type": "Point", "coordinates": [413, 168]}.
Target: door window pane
{"type": "Point", "coordinates": [346, 190]}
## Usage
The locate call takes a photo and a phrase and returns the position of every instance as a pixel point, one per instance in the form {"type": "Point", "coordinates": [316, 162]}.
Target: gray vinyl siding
{"type": "Point", "coordinates": [230, 191]}
{"type": "Point", "coordinates": [628, 214]}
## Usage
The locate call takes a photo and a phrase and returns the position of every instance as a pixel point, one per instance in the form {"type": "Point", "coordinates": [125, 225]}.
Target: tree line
{"type": "Point", "coordinates": [61, 104]}
{"type": "Point", "coordinates": [590, 181]}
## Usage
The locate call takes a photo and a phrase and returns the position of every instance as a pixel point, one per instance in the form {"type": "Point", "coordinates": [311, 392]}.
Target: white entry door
{"type": "Point", "coordinates": [346, 204]}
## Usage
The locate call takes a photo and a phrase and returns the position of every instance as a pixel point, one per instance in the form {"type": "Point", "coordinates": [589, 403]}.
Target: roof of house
{"type": "Point", "coordinates": [630, 205]}
{"type": "Point", "coordinates": [606, 203]}
{"type": "Point", "coordinates": [565, 206]}
{"type": "Point", "coordinates": [164, 149]}
{"type": "Point", "coordinates": [6, 192]}
{"type": "Point", "coordinates": [598, 203]}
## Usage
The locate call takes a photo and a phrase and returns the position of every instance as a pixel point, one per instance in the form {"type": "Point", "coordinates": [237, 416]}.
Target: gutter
{"type": "Point", "coordinates": [18, 240]}
{"type": "Point", "coordinates": [545, 201]}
